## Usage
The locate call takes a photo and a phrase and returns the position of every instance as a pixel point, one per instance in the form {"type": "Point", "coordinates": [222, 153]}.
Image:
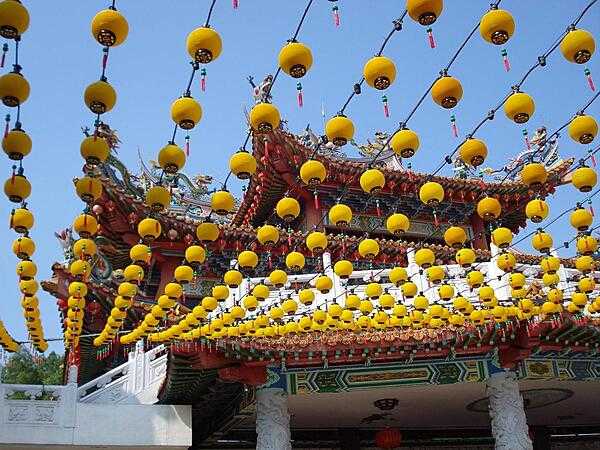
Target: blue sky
{"type": "Point", "coordinates": [59, 58]}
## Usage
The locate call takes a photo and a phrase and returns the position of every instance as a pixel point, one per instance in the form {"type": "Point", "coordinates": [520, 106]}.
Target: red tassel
{"type": "Point", "coordinates": [6, 127]}
{"type": "Point", "coordinates": [591, 208]}
{"type": "Point", "coordinates": [266, 148]}
{"type": "Point", "coordinates": [187, 146]}
{"type": "Point", "coordinates": [588, 75]}
{"type": "Point", "coordinates": [505, 59]}
{"type": "Point", "coordinates": [431, 38]}
{"type": "Point", "coordinates": [593, 158]}
{"type": "Point", "coordinates": [435, 219]}
{"type": "Point", "coordinates": [203, 79]}
{"type": "Point", "coordinates": [105, 58]}
{"type": "Point", "coordinates": [377, 208]}
{"type": "Point", "coordinates": [300, 96]}
{"type": "Point", "coordinates": [336, 16]}
{"type": "Point", "coordinates": [386, 109]}
{"type": "Point", "coordinates": [236, 4]}
{"type": "Point", "coordinates": [316, 201]}
{"type": "Point", "coordinates": [527, 143]}
{"type": "Point", "coordinates": [453, 125]}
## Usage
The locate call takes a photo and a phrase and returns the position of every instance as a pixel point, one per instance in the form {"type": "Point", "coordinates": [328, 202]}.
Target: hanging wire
{"type": "Point", "coordinates": [210, 11]}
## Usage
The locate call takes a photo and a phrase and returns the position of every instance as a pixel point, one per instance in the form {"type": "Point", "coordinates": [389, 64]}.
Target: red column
{"type": "Point", "coordinates": [479, 239]}
{"type": "Point", "coordinates": [167, 267]}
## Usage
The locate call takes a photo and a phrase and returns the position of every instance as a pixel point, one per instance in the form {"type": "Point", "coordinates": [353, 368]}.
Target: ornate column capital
{"type": "Point", "coordinates": [272, 420]}
{"type": "Point", "coordinates": [509, 423]}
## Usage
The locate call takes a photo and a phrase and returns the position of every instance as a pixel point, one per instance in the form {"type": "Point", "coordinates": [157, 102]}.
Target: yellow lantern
{"type": "Point", "coordinates": [133, 273]}
{"type": "Point", "coordinates": [461, 304]}
{"type": "Point", "coordinates": [584, 178]}
{"type": "Point", "coordinates": [149, 229]}
{"type": "Point", "coordinates": [316, 241]}
{"type": "Point", "coordinates": [586, 284]}
{"type": "Point", "coordinates": [387, 301]}
{"type": "Point", "coordinates": [17, 188]}
{"type": "Point", "coordinates": [447, 92]}
{"type": "Point", "coordinates": [409, 289]}
{"type": "Point", "coordinates": [474, 279]}
{"type": "Point", "coordinates": [425, 12]}
{"type": "Point", "coordinates": [94, 150]}
{"type": "Point", "coordinates": [397, 224]}
{"type": "Point", "coordinates": [261, 292]}
{"type": "Point", "coordinates": [405, 143]}
{"type": "Point", "coordinates": [373, 290]}
{"type": "Point", "coordinates": [186, 112]}
{"type": "Point", "coordinates": [502, 237]}
{"type": "Point", "coordinates": [550, 279]}
{"type": "Point", "coordinates": [379, 72]}
{"type": "Point", "coordinates": [276, 314]}
{"type": "Point", "coordinates": [368, 248]}
{"type": "Point", "coordinates": [534, 175]}
{"type": "Point", "coordinates": [295, 59]}
{"type": "Point", "coordinates": [295, 261]}
{"type": "Point", "coordinates": [446, 292]}
{"type": "Point", "coordinates": [555, 296]}
{"type": "Point", "coordinates": [158, 198]}
{"type": "Point", "coordinates": [365, 307]}
{"type": "Point", "coordinates": [542, 241]}
{"type": "Point", "coordinates": [207, 232]}
{"type": "Point", "coordinates": [16, 143]}
{"type": "Point", "coordinates": [536, 210]}
{"type": "Point", "coordinates": [14, 89]}
{"type": "Point", "coordinates": [583, 129]}
{"type": "Point", "coordinates": [398, 275]}
{"type": "Point", "coordinates": [343, 269]}
{"type": "Point", "coordinates": [372, 181]}
{"type": "Point", "coordinates": [473, 152]}
{"type": "Point", "coordinates": [465, 257]}
{"type": "Point", "coordinates": [340, 215]}
{"type": "Point", "coordinates": [100, 97]}
{"type": "Point", "coordinates": [26, 270]}
{"type": "Point", "coordinates": [455, 237]}
{"type": "Point", "coordinates": [352, 302]}
{"type": "Point", "coordinates": [506, 262]}
{"type": "Point", "coordinates": [222, 202]}
{"type": "Point", "coordinates": [242, 164]}
{"type": "Point", "coordinates": [578, 46]}
{"type": "Point", "coordinates": [431, 193]}
{"type": "Point", "coordinates": [288, 209]}
{"type": "Point", "coordinates": [424, 258]}
{"type": "Point", "coordinates": [247, 260]}
{"type": "Point", "coordinates": [581, 219]}
{"type": "Point", "coordinates": [497, 26]}
{"type": "Point", "coordinates": [264, 117]}
{"type": "Point", "coordinates": [14, 19]}
{"type": "Point", "coordinates": [290, 306]}
{"type": "Point", "coordinates": [306, 297]}
{"type": "Point", "coordinates": [587, 245]}
{"type": "Point", "coordinates": [88, 189]}
{"type": "Point", "coordinates": [250, 303]}
{"type": "Point", "coordinates": [435, 274]}
{"type": "Point", "coordinates": [305, 323]}
{"type": "Point", "coordinates": [109, 28]}
{"type": "Point", "coordinates": [489, 208]}
{"type": "Point", "coordinates": [220, 292]}
{"type": "Point", "coordinates": [278, 278]}
{"type": "Point", "coordinates": [80, 269]}
{"type": "Point", "coordinates": [313, 172]}
{"type": "Point", "coordinates": [23, 247]}
{"type": "Point", "coordinates": [267, 235]}
{"type": "Point", "coordinates": [140, 254]}
{"type": "Point", "coordinates": [339, 130]}
{"type": "Point", "coordinates": [323, 284]}
{"type": "Point", "coordinates": [579, 299]}
{"type": "Point", "coordinates": [585, 264]}
{"type": "Point", "coordinates": [519, 107]}
{"type": "Point", "coordinates": [183, 274]}
{"type": "Point", "coordinates": [85, 225]}
{"type": "Point", "coordinates": [128, 290]}
{"type": "Point", "coordinates": [21, 220]}
{"type": "Point", "coordinates": [550, 264]}
{"type": "Point", "coordinates": [204, 45]}
{"type": "Point", "coordinates": [421, 303]}
{"type": "Point", "coordinates": [195, 255]}
{"type": "Point", "coordinates": [171, 158]}
{"type": "Point", "coordinates": [516, 280]}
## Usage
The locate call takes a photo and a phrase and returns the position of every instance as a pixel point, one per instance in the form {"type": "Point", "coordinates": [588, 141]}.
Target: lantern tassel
{"type": "Point", "coordinates": [591, 208]}
{"type": "Point", "coordinates": [431, 38]}
{"type": "Point", "coordinates": [336, 15]}
{"type": "Point", "coordinates": [453, 125]}
{"type": "Point", "coordinates": [527, 143]}
{"type": "Point", "coordinates": [7, 119]}
{"type": "Point", "coordinates": [236, 4]}
{"type": "Point", "coordinates": [203, 79]}
{"type": "Point", "coordinates": [593, 158]}
{"type": "Point", "coordinates": [4, 51]}
{"type": "Point", "coordinates": [587, 72]}
{"type": "Point", "coordinates": [386, 109]}
{"type": "Point", "coordinates": [104, 58]}
{"type": "Point", "coordinates": [187, 145]}
{"type": "Point", "coordinates": [506, 60]}
{"type": "Point", "coordinates": [377, 208]}
{"type": "Point", "coordinates": [316, 201]}
{"type": "Point", "coordinates": [300, 97]}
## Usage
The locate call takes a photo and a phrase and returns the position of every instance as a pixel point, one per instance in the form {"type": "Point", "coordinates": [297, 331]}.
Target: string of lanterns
{"type": "Point", "coordinates": [14, 92]}
{"type": "Point", "coordinates": [110, 29]}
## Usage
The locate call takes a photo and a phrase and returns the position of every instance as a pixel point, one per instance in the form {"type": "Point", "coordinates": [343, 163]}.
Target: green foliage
{"type": "Point", "coordinates": [25, 368]}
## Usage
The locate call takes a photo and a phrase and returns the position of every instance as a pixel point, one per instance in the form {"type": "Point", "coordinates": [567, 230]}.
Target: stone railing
{"type": "Point", "coordinates": [135, 382]}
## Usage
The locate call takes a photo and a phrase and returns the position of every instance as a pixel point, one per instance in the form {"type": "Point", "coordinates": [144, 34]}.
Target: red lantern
{"type": "Point", "coordinates": [388, 438]}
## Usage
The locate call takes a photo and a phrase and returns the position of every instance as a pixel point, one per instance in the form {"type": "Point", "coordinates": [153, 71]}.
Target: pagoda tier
{"type": "Point", "coordinates": [280, 156]}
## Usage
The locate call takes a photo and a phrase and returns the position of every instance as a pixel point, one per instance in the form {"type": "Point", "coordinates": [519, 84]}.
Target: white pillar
{"type": "Point", "coordinates": [509, 423]}
{"type": "Point", "coordinates": [272, 420]}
